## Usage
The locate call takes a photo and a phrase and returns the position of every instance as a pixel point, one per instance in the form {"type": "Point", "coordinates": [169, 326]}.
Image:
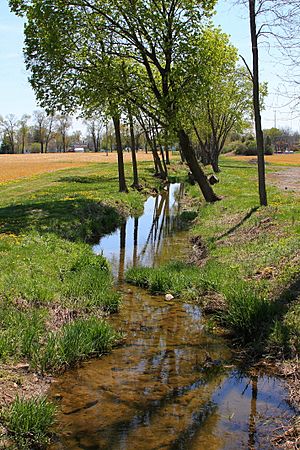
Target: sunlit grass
{"type": "Point", "coordinates": [29, 422]}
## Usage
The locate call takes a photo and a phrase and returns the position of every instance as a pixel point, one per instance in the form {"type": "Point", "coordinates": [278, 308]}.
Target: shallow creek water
{"type": "Point", "coordinates": [161, 390]}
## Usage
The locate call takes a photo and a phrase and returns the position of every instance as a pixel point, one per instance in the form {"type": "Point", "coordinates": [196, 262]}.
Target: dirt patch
{"type": "Point", "coordinates": [19, 381]}
{"type": "Point", "coordinates": [287, 179]}
{"type": "Point", "coordinates": [199, 252]}
{"type": "Point", "coordinates": [20, 166]}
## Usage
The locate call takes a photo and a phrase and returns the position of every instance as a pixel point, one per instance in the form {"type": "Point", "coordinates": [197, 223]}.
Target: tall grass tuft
{"type": "Point", "coordinates": [177, 278]}
{"type": "Point", "coordinates": [249, 313]}
{"type": "Point", "coordinates": [74, 342]}
{"type": "Point", "coordinates": [29, 422]}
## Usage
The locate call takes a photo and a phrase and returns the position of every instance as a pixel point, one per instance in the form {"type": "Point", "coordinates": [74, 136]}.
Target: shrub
{"type": "Point", "coordinates": [248, 148]}
{"type": "Point", "coordinates": [240, 149]}
{"type": "Point", "coordinates": [231, 147]}
{"type": "Point", "coordinates": [29, 422]}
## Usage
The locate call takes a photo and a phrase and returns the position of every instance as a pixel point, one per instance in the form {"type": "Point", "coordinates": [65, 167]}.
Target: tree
{"type": "Point", "coordinates": [23, 131]}
{"type": "Point", "coordinates": [44, 128]}
{"type": "Point", "coordinates": [63, 124]}
{"type": "Point", "coordinates": [9, 127]}
{"type": "Point", "coordinates": [253, 11]}
{"type": "Point", "coordinates": [271, 12]}
{"type": "Point", "coordinates": [95, 127]}
{"type": "Point", "coordinates": [161, 40]}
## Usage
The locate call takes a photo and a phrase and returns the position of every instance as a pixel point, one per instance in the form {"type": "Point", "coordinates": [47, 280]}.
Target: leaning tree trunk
{"type": "Point", "coordinates": [256, 104]}
{"type": "Point", "coordinates": [161, 173]}
{"type": "Point", "coordinates": [122, 181]}
{"type": "Point", "coordinates": [133, 153]}
{"type": "Point", "coordinates": [194, 167]}
{"type": "Point", "coordinates": [156, 159]}
{"type": "Point", "coordinates": [163, 160]}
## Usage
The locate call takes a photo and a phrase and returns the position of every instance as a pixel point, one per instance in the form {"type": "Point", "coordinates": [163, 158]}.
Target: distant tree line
{"type": "Point", "coordinates": [37, 134]}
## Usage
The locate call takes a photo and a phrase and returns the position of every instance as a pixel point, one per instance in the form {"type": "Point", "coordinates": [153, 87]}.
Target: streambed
{"type": "Point", "coordinates": [172, 385]}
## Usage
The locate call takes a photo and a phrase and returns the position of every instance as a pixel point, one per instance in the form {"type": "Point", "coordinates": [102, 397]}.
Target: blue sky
{"type": "Point", "coordinates": [17, 97]}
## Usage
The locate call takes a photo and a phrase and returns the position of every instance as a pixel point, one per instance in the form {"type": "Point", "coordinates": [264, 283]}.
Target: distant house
{"type": "Point", "coordinates": [78, 148]}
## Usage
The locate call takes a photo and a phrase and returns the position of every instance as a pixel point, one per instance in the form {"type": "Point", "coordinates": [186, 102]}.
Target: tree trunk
{"type": "Point", "coordinates": [194, 167]}
{"type": "Point", "coordinates": [214, 156]}
{"type": "Point", "coordinates": [215, 164]}
{"type": "Point", "coordinates": [167, 154]}
{"type": "Point", "coordinates": [157, 162]}
{"type": "Point", "coordinates": [133, 153]}
{"type": "Point", "coordinates": [122, 181]}
{"type": "Point", "coordinates": [256, 104]}
{"type": "Point", "coordinates": [163, 160]}
{"type": "Point", "coordinates": [161, 173]}
{"type": "Point", "coordinates": [42, 146]}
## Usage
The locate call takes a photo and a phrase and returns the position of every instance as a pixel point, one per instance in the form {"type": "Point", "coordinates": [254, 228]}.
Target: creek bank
{"type": "Point", "coordinates": [55, 286]}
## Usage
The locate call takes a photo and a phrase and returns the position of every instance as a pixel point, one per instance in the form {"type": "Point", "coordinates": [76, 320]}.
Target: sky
{"type": "Point", "coordinates": [17, 97]}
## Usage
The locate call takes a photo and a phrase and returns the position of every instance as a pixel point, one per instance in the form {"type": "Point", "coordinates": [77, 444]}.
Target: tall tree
{"type": "Point", "coordinates": [226, 106]}
{"type": "Point", "coordinates": [161, 39]}
{"type": "Point", "coordinates": [256, 103]}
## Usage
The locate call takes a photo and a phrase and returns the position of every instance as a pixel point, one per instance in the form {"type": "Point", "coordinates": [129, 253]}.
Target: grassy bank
{"type": "Point", "coordinates": [245, 265]}
{"type": "Point", "coordinates": [54, 292]}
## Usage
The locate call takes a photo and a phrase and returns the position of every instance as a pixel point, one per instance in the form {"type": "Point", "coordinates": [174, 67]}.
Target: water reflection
{"type": "Point", "coordinates": [140, 240]}
{"type": "Point", "coordinates": [170, 385]}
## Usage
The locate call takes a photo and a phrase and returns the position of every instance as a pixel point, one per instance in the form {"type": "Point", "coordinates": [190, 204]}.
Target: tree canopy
{"type": "Point", "coordinates": [80, 52]}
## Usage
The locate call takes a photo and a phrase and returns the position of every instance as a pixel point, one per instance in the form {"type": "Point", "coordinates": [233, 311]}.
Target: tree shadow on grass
{"type": "Point", "coordinates": [238, 225]}
{"type": "Point", "coordinates": [96, 179]}
{"type": "Point", "coordinates": [76, 220]}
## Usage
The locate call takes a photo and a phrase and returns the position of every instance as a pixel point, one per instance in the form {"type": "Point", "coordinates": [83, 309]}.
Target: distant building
{"type": "Point", "coordinates": [78, 148]}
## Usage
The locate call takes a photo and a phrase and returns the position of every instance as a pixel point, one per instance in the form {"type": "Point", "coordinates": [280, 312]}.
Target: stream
{"type": "Point", "coordinates": [172, 385]}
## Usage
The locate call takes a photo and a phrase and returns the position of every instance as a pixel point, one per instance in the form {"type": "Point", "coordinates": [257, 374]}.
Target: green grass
{"type": "Point", "coordinates": [47, 224]}
{"type": "Point", "coordinates": [74, 342]}
{"type": "Point", "coordinates": [176, 278]}
{"type": "Point", "coordinates": [45, 269]}
{"type": "Point", "coordinates": [29, 422]}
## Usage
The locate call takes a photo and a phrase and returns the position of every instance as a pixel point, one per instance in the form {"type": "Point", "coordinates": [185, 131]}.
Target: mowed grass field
{"type": "Point", "coordinates": [13, 167]}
